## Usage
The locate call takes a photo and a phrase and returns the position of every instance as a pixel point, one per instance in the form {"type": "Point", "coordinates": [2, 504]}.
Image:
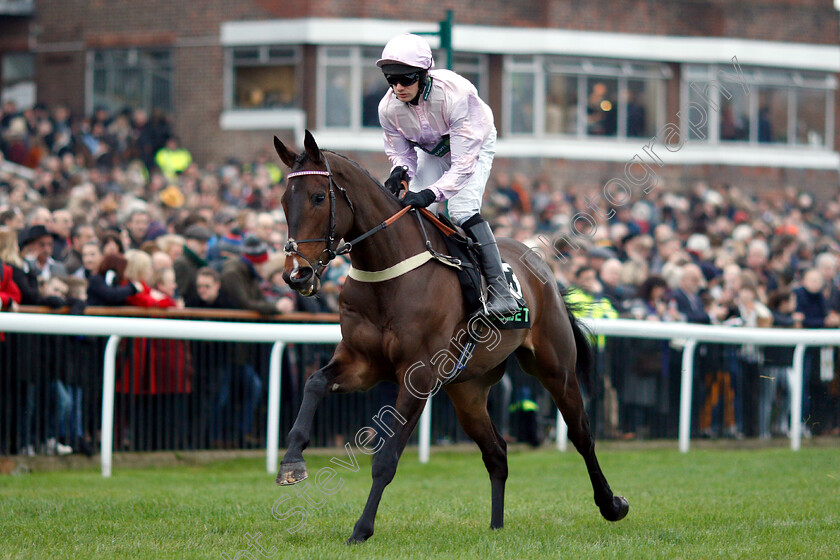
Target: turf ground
{"type": "Point", "coordinates": [765, 503]}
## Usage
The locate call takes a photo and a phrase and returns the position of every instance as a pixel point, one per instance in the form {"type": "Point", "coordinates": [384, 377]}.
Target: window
{"type": "Point", "coordinates": [522, 90]}
{"type": "Point", "coordinates": [601, 106]}
{"type": "Point", "coordinates": [773, 104]}
{"type": "Point", "coordinates": [351, 85]}
{"type": "Point", "coordinates": [374, 87]}
{"type": "Point", "coordinates": [132, 78]}
{"type": "Point", "coordinates": [561, 106]}
{"type": "Point", "coordinates": [471, 66]}
{"type": "Point", "coordinates": [561, 96]}
{"type": "Point", "coordinates": [264, 77]}
{"type": "Point", "coordinates": [17, 67]}
{"type": "Point", "coordinates": [810, 117]}
{"type": "Point", "coordinates": [18, 79]}
{"type": "Point", "coordinates": [758, 105]}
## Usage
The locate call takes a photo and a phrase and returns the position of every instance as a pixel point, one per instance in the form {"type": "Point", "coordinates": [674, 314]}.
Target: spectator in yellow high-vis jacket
{"type": "Point", "coordinates": [172, 158]}
{"type": "Point", "coordinates": [586, 300]}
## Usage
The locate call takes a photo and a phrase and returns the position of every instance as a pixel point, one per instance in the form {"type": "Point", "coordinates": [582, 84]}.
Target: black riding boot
{"type": "Point", "coordinates": [500, 302]}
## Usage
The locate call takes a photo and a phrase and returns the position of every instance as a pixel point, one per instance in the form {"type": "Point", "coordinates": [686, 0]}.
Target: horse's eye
{"type": "Point", "coordinates": [318, 198]}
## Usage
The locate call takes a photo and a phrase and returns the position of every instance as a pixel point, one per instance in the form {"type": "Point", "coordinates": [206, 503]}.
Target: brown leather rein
{"type": "Point", "coordinates": [291, 247]}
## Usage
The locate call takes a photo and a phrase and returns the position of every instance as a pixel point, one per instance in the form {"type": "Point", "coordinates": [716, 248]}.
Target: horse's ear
{"type": "Point", "coordinates": [288, 157]}
{"type": "Point", "coordinates": [312, 148]}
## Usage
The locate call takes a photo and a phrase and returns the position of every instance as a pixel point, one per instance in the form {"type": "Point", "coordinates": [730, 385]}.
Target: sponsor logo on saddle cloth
{"type": "Point", "coordinates": [522, 318]}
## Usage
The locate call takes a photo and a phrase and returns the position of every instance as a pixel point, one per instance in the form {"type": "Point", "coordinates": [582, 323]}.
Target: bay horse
{"type": "Point", "coordinates": [393, 330]}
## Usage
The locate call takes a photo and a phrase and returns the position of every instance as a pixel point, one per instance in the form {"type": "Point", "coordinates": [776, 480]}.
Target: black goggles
{"type": "Point", "coordinates": [404, 80]}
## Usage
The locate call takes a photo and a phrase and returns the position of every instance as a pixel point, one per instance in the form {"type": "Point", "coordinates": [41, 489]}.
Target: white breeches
{"type": "Point", "coordinates": [466, 202]}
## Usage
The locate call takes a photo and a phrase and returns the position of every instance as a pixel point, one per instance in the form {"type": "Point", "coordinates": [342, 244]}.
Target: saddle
{"type": "Point", "coordinates": [463, 249]}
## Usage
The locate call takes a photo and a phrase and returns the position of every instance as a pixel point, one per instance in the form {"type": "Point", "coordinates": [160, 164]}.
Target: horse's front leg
{"type": "Point", "coordinates": [409, 407]}
{"type": "Point", "coordinates": [344, 373]}
{"type": "Point", "coordinates": [293, 467]}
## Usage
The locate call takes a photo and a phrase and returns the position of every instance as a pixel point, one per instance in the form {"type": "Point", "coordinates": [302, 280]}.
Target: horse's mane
{"type": "Point", "coordinates": [363, 170]}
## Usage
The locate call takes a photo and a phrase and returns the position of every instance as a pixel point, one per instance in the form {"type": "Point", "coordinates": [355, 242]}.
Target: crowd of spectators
{"type": "Point", "coordinates": [712, 255]}
{"type": "Point", "coordinates": [111, 210]}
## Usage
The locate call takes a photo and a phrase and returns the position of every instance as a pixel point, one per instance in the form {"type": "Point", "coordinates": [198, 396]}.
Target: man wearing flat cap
{"type": "Point", "coordinates": [36, 246]}
{"type": "Point", "coordinates": [194, 257]}
{"type": "Point", "coordinates": [241, 278]}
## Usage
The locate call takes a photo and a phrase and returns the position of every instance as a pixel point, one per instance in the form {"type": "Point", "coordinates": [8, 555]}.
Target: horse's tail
{"type": "Point", "coordinates": [585, 357]}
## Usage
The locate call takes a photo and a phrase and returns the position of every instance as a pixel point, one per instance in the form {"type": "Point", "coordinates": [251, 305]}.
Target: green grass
{"type": "Point", "coordinates": [767, 503]}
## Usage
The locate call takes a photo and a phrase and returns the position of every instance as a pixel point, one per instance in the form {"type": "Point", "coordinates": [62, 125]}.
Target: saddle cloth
{"type": "Point", "coordinates": [473, 284]}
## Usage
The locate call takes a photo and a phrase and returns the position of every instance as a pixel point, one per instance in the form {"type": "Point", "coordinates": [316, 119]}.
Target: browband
{"type": "Point", "coordinates": [311, 172]}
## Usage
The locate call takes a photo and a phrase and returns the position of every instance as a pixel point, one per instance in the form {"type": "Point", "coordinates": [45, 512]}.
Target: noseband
{"type": "Point", "coordinates": [291, 247]}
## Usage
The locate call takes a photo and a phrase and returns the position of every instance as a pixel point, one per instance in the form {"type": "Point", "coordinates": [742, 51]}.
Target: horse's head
{"type": "Point", "coordinates": [317, 216]}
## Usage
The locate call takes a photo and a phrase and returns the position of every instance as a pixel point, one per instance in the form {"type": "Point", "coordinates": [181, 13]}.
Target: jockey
{"type": "Point", "coordinates": [440, 112]}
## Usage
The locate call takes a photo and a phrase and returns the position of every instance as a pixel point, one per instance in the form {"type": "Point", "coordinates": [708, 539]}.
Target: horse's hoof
{"type": "Point", "coordinates": [357, 538]}
{"type": "Point", "coordinates": [292, 473]}
{"type": "Point", "coordinates": [618, 510]}
{"type": "Point", "coordinates": [361, 533]}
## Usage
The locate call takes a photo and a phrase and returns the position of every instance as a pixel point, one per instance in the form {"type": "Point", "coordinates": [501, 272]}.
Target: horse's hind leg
{"type": "Point", "coordinates": [470, 400]}
{"type": "Point", "coordinates": [613, 508]}
{"type": "Point", "coordinates": [408, 409]}
{"type": "Point", "coordinates": [559, 378]}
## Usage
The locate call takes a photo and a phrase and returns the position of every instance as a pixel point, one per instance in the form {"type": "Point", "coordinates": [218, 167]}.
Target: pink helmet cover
{"type": "Point", "coordinates": [408, 49]}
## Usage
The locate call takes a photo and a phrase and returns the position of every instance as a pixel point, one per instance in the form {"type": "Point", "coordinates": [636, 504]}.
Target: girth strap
{"type": "Point", "coordinates": [398, 269]}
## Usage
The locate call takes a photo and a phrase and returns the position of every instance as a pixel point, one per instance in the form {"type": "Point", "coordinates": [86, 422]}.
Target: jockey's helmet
{"type": "Point", "coordinates": [405, 54]}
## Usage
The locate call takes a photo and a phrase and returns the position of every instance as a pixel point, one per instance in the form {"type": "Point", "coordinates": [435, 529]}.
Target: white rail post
{"type": "Point", "coordinates": [562, 433]}
{"type": "Point", "coordinates": [109, 373]}
{"type": "Point", "coordinates": [272, 430]}
{"type": "Point", "coordinates": [425, 436]}
{"type": "Point", "coordinates": [685, 394]}
{"type": "Point", "coordinates": [796, 397]}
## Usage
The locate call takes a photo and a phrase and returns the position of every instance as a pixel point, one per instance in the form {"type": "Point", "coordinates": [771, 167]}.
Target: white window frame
{"type": "Point", "coordinates": [260, 119]}
{"type": "Point", "coordinates": [758, 77]}
{"type": "Point", "coordinates": [355, 61]}
{"type": "Point", "coordinates": [264, 59]}
{"type": "Point", "coordinates": [581, 68]}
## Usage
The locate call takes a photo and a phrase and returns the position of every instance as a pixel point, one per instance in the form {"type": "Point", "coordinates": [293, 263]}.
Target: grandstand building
{"type": "Point", "coordinates": [740, 92]}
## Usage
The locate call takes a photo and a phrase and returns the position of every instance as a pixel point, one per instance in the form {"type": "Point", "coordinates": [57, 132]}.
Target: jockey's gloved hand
{"type": "Point", "coordinates": [398, 175]}
{"type": "Point", "coordinates": [419, 199]}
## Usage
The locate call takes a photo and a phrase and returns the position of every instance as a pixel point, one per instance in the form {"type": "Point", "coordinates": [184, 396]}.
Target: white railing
{"type": "Point", "coordinates": [279, 334]}
{"type": "Point", "coordinates": [800, 339]}
{"type": "Point", "coordinates": [115, 328]}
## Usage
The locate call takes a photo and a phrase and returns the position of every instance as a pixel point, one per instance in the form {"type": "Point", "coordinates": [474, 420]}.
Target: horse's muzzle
{"type": "Point", "coordinates": [302, 280]}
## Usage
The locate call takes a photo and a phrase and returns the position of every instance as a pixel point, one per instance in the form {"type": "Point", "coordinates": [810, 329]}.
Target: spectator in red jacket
{"type": "Point", "coordinates": [160, 371]}
{"type": "Point", "coordinates": [9, 292]}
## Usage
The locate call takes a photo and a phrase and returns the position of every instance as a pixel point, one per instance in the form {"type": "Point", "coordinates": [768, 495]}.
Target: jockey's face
{"type": "Point", "coordinates": [406, 93]}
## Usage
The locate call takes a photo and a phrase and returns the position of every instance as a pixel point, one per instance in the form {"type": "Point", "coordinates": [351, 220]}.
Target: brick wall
{"type": "Point", "coordinates": [812, 21]}
{"type": "Point", "coordinates": [60, 77]}
{"type": "Point", "coordinates": [89, 20]}
{"type": "Point", "coordinates": [14, 34]}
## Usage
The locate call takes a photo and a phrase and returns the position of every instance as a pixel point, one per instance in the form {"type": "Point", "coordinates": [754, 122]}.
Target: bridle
{"type": "Point", "coordinates": [291, 247]}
